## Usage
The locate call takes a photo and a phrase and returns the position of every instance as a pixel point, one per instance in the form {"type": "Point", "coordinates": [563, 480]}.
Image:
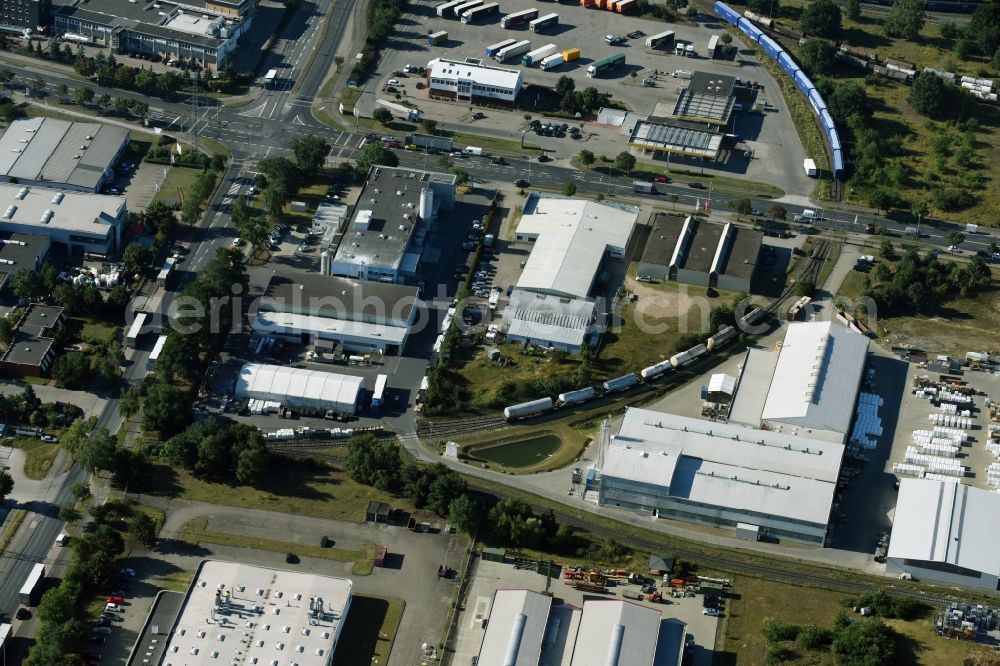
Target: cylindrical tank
{"type": "Point", "coordinates": [720, 338]}
{"type": "Point", "coordinates": [620, 383]}
{"type": "Point", "coordinates": [324, 263]}
{"type": "Point", "coordinates": [426, 204]}
{"type": "Point", "coordinates": [527, 408]}
{"type": "Point", "coordinates": [579, 395]}
{"type": "Point", "coordinates": [656, 369]}
{"type": "Point", "coordinates": [687, 356]}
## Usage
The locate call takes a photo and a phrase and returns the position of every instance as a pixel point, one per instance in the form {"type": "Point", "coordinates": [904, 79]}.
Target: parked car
{"type": "Point", "coordinates": [714, 612]}
{"type": "Point", "coordinates": [544, 158]}
{"type": "Point", "coordinates": [101, 630]}
{"type": "Point", "coordinates": [661, 179]}
{"type": "Point", "coordinates": [521, 182]}
{"type": "Point", "coordinates": [116, 599]}
{"type": "Point", "coordinates": [394, 82]}
{"type": "Point", "coordinates": [115, 608]}
{"type": "Point", "coordinates": [696, 185]}
{"type": "Point", "coordinates": [49, 439]}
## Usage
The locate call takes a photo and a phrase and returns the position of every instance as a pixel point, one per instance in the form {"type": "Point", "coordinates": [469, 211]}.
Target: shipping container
{"type": "Point", "coordinates": [750, 30]}
{"type": "Point", "coordinates": [438, 37]}
{"type": "Point", "coordinates": [626, 6]}
{"type": "Point", "coordinates": [605, 65]}
{"type": "Point", "coordinates": [664, 39]}
{"type": "Point", "coordinates": [547, 21]}
{"type": "Point", "coordinates": [517, 18]}
{"type": "Point", "coordinates": [839, 170]}
{"type": "Point", "coordinates": [770, 47]}
{"type": "Point", "coordinates": [802, 82]}
{"type": "Point", "coordinates": [481, 12]}
{"type": "Point", "coordinates": [552, 61]}
{"type": "Point", "coordinates": [526, 409]}
{"type": "Point", "coordinates": [787, 64]}
{"type": "Point", "coordinates": [570, 54]}
{"type": "Point", "coordinates": [514, 50]}
{"type": "Point", "coordinates": [816, 100]}
{"type": "Point", "coordinates": [496, 48]}
{"type": "Point", "coordinates": [539, 54]}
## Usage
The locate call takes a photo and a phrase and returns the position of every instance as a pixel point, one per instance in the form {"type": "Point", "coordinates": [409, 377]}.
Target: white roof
{"type": "Point", "coordinates": [540, 317]}
{"type": "Point", "coordinates": [572, 236]}
{"type": "Point", "coordinates": [722, 383]}
{"type": "Point", "coordinates": [286, 632]}
{"type": "Point", "coordinates": [299, 388]}
{"type": "Point", "coordinates": [727, 465]}
{"type": "Point", "coordinates": [80, 212]}
{"type": "Point", "coordinates": [517, 622]}
{"type": "Point", "coordinates": [475, 70]}
{"type": "Point", "coordinates": [616, 633]}
{"type": "Point", "coordinates": [938, 521]}
{"type": "Point", "coordinates": [817, 376]}
{"type": "Point", "coordinates": [286, 322]}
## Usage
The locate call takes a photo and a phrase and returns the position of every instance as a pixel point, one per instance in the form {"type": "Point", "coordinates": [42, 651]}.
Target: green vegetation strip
{"type": "Point", "coordinates": [326, 119]}
{"type": "Point", "coordinates": [13, 523]}
{"type": "Point", "coordinates": [195, 532]}
{"type": "Point", "coordinates": [38, 460]}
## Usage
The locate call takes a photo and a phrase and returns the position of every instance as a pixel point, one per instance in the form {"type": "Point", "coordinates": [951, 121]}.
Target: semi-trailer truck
{"type": "Point", "coordinates": [378, 395]}
{"type": "Point", "coordinates": [479, 13]}
{"type": "Point", "coordinates": [536, 56]}
{"type": "Point", "coordinates": [513, 51]}
{"type": "Point", "coordinates": [398, 110]}
{"type": "Point", "coordinates": [552, 61]}
{"type": "Point", "coordinates": [518, 18]}
{"type": "Point", "coordinates": [605, 65]}
{"type": "Point", "coordinates": [547, 21]}
{"type": "Point", "coordinates": [499, 46]}
{"type": "Point", "coordinates": [29, 591]}
{"type": "Point", "coordinates": [664, 39]}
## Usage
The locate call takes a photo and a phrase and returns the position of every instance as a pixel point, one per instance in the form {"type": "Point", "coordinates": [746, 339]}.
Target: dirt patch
{"type": "Point", "coordinates": [655, 302]}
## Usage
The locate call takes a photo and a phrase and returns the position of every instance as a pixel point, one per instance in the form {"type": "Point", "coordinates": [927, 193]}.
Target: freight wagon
{"type": "Point", "coordinates": [526, 409]}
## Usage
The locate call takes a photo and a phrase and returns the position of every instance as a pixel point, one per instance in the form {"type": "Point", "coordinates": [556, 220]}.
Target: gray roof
{"type": "Point", "coordinates": [55, 151]}
{"type": "Point", "coordinates": [675, 137]}
{"type": "Point", "coordinates": [705, 83]}
{"type": "Point", "coordinates": [32, 340]}
{"type": "Point", "coordinates": [339, 297]}
{"type": "Point", "coordinates": [701, 249]}
{"type": "Point", "coordinates": [708, 98]}
{"type": "Point", "coordinates": [26, 350]}
{"type": "Point", "coordinates": [39, 320]}
{"type": "Point", "coordinates": [19, 251]}
{"type": "Point", "coordinates": [180, 35]}
{"type": "Point", "coordinates": [662, 239]}
{"type": "Point", "coordinates": [741, 258]}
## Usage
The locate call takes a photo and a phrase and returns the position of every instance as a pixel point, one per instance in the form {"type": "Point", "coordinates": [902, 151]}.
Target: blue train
{"type": "Point", "coordinates": [802, 81]}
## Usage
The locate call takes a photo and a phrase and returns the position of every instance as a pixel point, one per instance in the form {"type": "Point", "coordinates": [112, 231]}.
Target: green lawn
{"type": "Point", "coordinates": [725, 184]}
{"type": "Point", "coordinates": [326, 119]}
{"type": "Point", "coordinates": [178, 180]}
{"type": "Point", "coordinates": [853, 285]}
{"type": "Point", "coordinates": [369, 631]}
{"type": "Point", "coordinates": [38, 459]}
{"type": "Point", "coordinates": [211, 146]}
{"type": "Point", "coordinates": [95, 330]}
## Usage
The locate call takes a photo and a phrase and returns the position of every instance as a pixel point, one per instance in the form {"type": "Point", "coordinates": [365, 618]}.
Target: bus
{"type": "Point", "coordinates": [378, 395]}
{"type": "Point", "coordinates": [29, 591]}
{"type": "Point", "coordinates": [270, 77]}
{"type": "Point", "coordinates": [135, 330]}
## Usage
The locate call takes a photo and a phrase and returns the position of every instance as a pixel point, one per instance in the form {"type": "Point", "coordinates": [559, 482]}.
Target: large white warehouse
{"type": "Point", "coordinates": [472, 80]}
{"type": "Point", "coordinates": [298, 388]}
{"type": "Point", "coordinates": [756, 482]}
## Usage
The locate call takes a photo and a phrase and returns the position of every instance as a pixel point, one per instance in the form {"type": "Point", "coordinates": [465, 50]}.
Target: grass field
{"type": "Point", "coordinates": [38, 459]}
{"type": "Point", "coordinates": [175, 581]}
{"type": "Point", "coordinates": [326, 119]}
{"type": "Point", "coordinates": [14, 520]}
{"type": "Point", "coordinates": [178, 181]}
{"type": "Point", "coordinates": [301, 487]}
{"type": "Point", "coordinates": [961, 325]}
{"type": "Point", "coordinates": [853, 285]}
{"type": "Point", "coordinates": [724, 184]}
{"type": "Point", "coordinates": [369, 631]}
{"type": "Point", "coordinates": [95, 330]}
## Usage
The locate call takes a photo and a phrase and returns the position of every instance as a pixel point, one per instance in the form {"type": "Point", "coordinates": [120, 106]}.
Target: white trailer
{"type": "Point", "coordinates": [398, 110]}
{"type": "Point", "coordinates": [539, 54]}
{"type": "Point", "coordinates": [516, 49]}
{"type": "Point", "coordinates": [713, 44]}
{"type": "Point", "coordinates": [552, 61]}
{"type": "Point", "coordinates": [135, 330]}
{"type": "Point", "coordinates": [810, 168]}
{"type": "Point", "coordinates": [663, 39]}
{"type": "Point", "coordinates": [155, 354]}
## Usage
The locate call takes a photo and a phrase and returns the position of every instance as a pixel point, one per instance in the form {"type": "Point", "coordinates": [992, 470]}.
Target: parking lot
{"type": "Point", "coordinates": [491, 576]}
{"type": "Point", "coordinates": [771, 137]}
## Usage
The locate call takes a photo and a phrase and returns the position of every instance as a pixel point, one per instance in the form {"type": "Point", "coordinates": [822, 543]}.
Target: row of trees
{"type": "Point", "coordinates": [46, 286]}
{"type": "Point", "coordinates": [25, 408]}
{"type": "Point", "coordinates": [623, 161]}
{"type": "Point", "coordinates": [921, 283]}
{"type": "Point", "coordinates": [85, 96]}
{"type": "Point", "coordinates": [572, 100]}
{"type": "Point", "coordinates": [381, 21]}
{"type": "Point", "coordinates": [99, 365]}
{"type": "Point", "coordinates": [234, 453]}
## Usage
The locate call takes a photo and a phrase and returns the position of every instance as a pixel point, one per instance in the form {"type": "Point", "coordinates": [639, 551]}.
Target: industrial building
{"type": "Point", "coordinates": [359, 315]}
{"type": "Point", "coordinates": [80, 222]}
{"type": "Point", "coordinates": [527, 628]}
{"type": "Point", "coordinates": [300, 389]}
{"type": "Point", "coordinates": [32, 351]}
{"type": "Point", "coordinates": [20, 15]}
{"type": "Point", "coordinates": [205, 32]}
{"type": "Point", "coordinates": [552, 304]}
{"type": "Point", "coordinates": [708, 99]}
{"type": "Point", "coordinates": [21, 251]}
{"type": "Point", "coordinates": [59, 153]}
{"type": "Point", "coordinates": [808, 386]}
{"type": "Point", "coordinates": [945, 531]}
{"type": "Point", "coordinates": [718, 256]}
{"type": "Point", "coordinates": [773, 484]}
{"type": "Point", "coordinates": [471, 80]}
{"type": "Point", "coordinates": [238, 613]}
{"type": "Point", "coordinates": [392, 222]}
{"type": "Point", "coordinates": [666, 135]}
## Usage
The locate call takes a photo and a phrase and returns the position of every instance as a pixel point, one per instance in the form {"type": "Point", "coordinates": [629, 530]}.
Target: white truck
{"type": "Point", "coordinates": [552, 61]}
{"type": "Point", "coordinates": [810, 168]}
{"type": "Point", "coordinates": [398, 110]}
{"type": "Point", "coordinates": [472, 150]}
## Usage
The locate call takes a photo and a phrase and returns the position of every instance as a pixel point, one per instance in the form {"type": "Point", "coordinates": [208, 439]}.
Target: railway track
{"type": "Point", "coordinates": [465, 426]}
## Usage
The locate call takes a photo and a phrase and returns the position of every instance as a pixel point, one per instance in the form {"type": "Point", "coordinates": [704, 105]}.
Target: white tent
{"type": "Point", "coordinates": [294, 387]}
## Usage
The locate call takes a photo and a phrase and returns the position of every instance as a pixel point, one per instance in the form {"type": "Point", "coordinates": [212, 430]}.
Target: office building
{"type": "Point", "coordinates": [473, 80]}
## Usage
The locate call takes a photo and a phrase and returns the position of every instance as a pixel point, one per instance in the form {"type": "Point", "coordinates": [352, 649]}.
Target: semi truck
{"type": "Point", "coordinates": [663, 39]}
{"type": "Point", "coordinates": [713, 44]}
{"type": "Point", "coordinates": [570, 54]}
{"type": "Point", "coordinates": [481, 12]}
{"type": "Point", "coordinates": [164, 274]}
{"type": "Point", "coordinates": [438, 37]}
{"type": "Point", "coordinates": [135, 330]}
{"type": "Point", "coordinates": [552, 61]}
{"type": "Point", "coordinates": [466, 6]}
{"type": "Point", "coordinates": [29, 591]}
{"type": "Point", "coordinates": [517, 18]}
{"type": "Point", "coordinates": [544, 22]}
{"type": "Point", "coordinates": [398, 110]}
{"type": "Point", "coordinates": [378, 395]}
{"type": "Point", "coordinates": [536, 56]}
{"type": "Point", "coordinates": [512, 51]}
{"type": "Point", "coordinates": [270, 77]}
{"type": "Point", "coordinates": [499, 46]}
{"type": "Point", "coordinates": [643, 187]}
{"type": "Point", "coordinates": [605, 65]}
{"type": "Point", "coordinates": [447, 10]}
{"type": "Point", "coordinates": [810, 167]}
{"type": "Point", "coordinates": [155, 354]}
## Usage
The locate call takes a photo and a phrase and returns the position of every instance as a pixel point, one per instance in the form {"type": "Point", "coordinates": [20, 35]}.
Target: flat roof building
{"type": "Point", "coordinates": [810, 386]}
{"type": "Point", "coordinates": [81, 222]}
{"type": "Point", "coordinates": [945, 531]}
{"type": "Point", "coordinates": [18, 15]}
{"type": "Point", "coordinates": [708, 98]}
{"type": "Point", "coordinates": [570, 239]}
{"type": "Point", "coordinates": [665, 135]}
{"type": "Point", "coordinates": [17, 251]}
{"type": "Point", "coordinates": [361, 315]}
{"type": "Point", "coordinates": [238, 613]}
{"type": "Point", "coordinates": [32, 351]}
{"type": "Point", "coordinates": [472, 80]}
{"type": "Point", "coordinates": [60, 153]}
{"type": "Point", "coordinates": [718, 256]}
{"type": "Point", "coordinates": [391, 223]}
{"type": "Point", "coordinates": [300, 389]}
{"type": "Point", "coordinates": [722, 474]}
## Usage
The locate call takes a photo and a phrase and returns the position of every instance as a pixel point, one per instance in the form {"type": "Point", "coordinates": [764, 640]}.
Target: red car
{"type": "Point", "coordinates": [393, 144]}
{"type": "Point", "coordinates": [662, 179]}
{"type": "Point", "coordinates": [116, 599]}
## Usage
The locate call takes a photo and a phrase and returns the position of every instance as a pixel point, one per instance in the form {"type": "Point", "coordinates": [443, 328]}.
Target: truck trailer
{"type": "Point", "coordinates": [663, 39]}
{"type": "Point", "coordinates": [810, 168]}
{"type": "Point", "coordinates": [517, 18]}
{"type": "Point", "coordinates": [447, 10]}
{"type": "Point", "coordinates": [398, 110]}
{"type": "Point", "coordinates": [29, 591]}
{"type": "Point", "coordinates": [513, 50]}
{"type": "Point", "coordinates": [499, 46]}
{"type": "Point", "coordinates": [570, 54]}
{"type": "Point", "coordinates": [438, 37]}
{"type": "Point", "coordinates": [547, 21]}
{"type": "Point", "coordinates": [713, 44]}
{"type": "Point", "coordinates": [552, 61]}
{"type": "Point", "coordinates": [643, 187]}
{"type": "Point", "coordinates": [466, 6]}
{"type": "Point", "coordinates": [378, 395]}
{"type": "Point", "coordinates": [605, 65]}
{"type": "Point", "coordinates": [536, 56]}
{"type": "Point", "coordinates": [479, 13]}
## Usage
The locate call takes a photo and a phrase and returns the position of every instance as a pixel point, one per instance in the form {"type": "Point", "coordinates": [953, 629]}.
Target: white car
{"type": "Point", "coordinates": [49, 439]}
{"type": "Point", "coordinates": [114, 608]}
{"type": "Point", "coordinates": [394, 82]}
{"type": "Point", "coordinates": [238, 242]}
{"type": "Point", "coordinates": [954, 249]}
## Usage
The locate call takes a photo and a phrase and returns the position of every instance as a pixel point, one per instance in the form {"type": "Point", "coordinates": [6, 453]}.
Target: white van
{"type": "Point", "coordinates": [62, 539]}
{"type": "Point", "coordinates": [681, 74]}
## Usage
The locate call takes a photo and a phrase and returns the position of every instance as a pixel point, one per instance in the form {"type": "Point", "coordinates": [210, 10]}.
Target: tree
{"type": "Point", "coordinates": [919, 210]}
{"type": "Point", "coordinates": [27, 285]}
{"type": "Point", "coordinates": [274, 196]}
{"type": "Point", "coordinates": [6, 484]}
{"type": "Point", "coordinates": [464, 514]}
{"type": "Point", "coordinates": [818, 56]}
{"type": "Point", "coordinates": [310, 153]}
{"type": "Point", "coordinates": [68, 514]}
{"type": "Point", "coordinates": [62, 90]}
{"type": "Point", "coordinates": [853, 10]}
{"type": "Point", "coordinates": [822, 18]}
{"type": "Point", "coordinates": [145, 80]}
{"type": "Point", "coordinates": [120, 106]}
{"type": "Point", "coordinates": [741, 206]}
{"type": "Point", "coordinates": [569, 188]}
{"type": "Point", "coordinates": [372, 462]}
{"type": "Point", "coordinates": [142, 529]}
{"type": "Point", "coordinates": [136, 257]}
{"type": "Point", "coordinates": [166, 407]}
{"type": "Point", "coordinates": [955, 238]}
{"type": "Point", "coordinates": [905, 19]}
{"type": "Point", "coordinates": [726, 38]}
{"type": "Point", "coordinates": [72, 371]}
{"type": "Point", "coordinates": [429, 126]}
{"type": "Point", "coordinates": [805, 288]}
{"type": "Point", "coordinates": [219, 161]}
{"type": "Point", "coordinates": [80, 491]}
{"type": "Point", "coordinates": [929, 95]}
{"type": "Point", "coordinates": [6, 330]}
{"type": "Point", "coordinates": [886, 250]}
{"type": "Point", "coordinates": [83, 95]}
{"type": "Point", "coordinates": [587, 158]}
{"type": "Point", "coordinates": [777, 212]}
{"type": "Point", "coordinates": [37, 85]}
{"type": "Point", "coordinates": [625, 162]}
{"type": "Point", "coordinates": [446, 487]}
{"type": "Point", "coordinates": [865, 641]}
{"type": "Point", "coordinates": [129, 402]}
{"type": "Point", "coordinates": [382, 116]}
{"type": "Point", "coordinates": [251, 464]}
{"type": "Point", "coordinates": [97, 451]}
{"type": "Point", "coordinates": [376, 153]}
{"type": "Point", "coordinates": [964, 48]}
{"type": "Point", "coordinates": [564, 86]}
{"type": "Point", "coordinates": [984, 28]}
{"type": "Point", "coordinates": [764, 7]}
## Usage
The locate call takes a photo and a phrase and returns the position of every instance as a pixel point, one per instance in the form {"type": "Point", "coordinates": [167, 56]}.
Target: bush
{"type": "Point", "coordinates": [775, 631]}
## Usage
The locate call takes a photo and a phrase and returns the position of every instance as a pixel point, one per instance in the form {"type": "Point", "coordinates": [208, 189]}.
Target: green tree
{"type": "Point", "coordinates": [818, 56]}
{"type": "Point", "coordinates": [464, 514]}
{"type": "Point", "coordinates": [886, 250]}
{"type": "Point", "coordinates": [949, 29]}
{"type": "Point", "coordinates": [741, 206]}
{"type": "Point", "coordinates": [145, 80]}
{"type": "Point", "coordinates": [129, 402]}
{"type": "Point", "coordinates": [905, 19]}
{"type": "Point", "coordinates": [166, 407]}
{"type": "Point", "coordinates": [984, 28]}
{"type": "Point", "coordinates": [6, 330]}
{"type": "Point", "coordinates": [429, 126]}
{"type": "Point", "coordinates": [822, 18]}
{"type": "Point", "coordinates": [72, 371]}
{"type": "Point", "coordinates": [274, 197]}
{"type": "Point", "coordinates": [964, 47]}
{"type": "Point", "coordinates": [372, 462]}
{"type": "Point", "coordinates": [625, 162]}
{"type": "Point", "coordinates": [375, 153]}
{"type": "Point", "coordinates": [928, 94]}
{"type": "Point", "coordinates": [446, 487]}
{"type": "Point", "coordinates": [83, 95]}
{"type": "Point", "coordinates": [68, 514]}
{"type": "Point", "coordinates": [310, 153]}
{"type": "Point", "coordinates": [569, 188]}
{"type": "Point", "coordinates": [865, 641]}
{"type": "Point", "coordinates": [382, 116]}
{"type": "Point", "coordinates": [120, 106]}
{"type": "Point", "coordinates": [36, 85]}
{"type": "Point", "coordinates": [919, 210]}
{"type": "Point", "coordinates": [587, 158]}
{"type": "Point", "coordinates": [61, 91]}
{"type": "Point", "coordinates": [764, 7]}
{"type": "Point", "coordinates": [219, 161]}
{"type": "Point", "coordinates": [955, 238]}
{"type": "Point", "coordinates": [80, 491]}
{"type": "Point", "coordinates": [97, 451]}
{"type": "Point", "coordinates": [251, 465]}
{"type": "Point", "coordinates": [849, 100]}
{"type": "Point", "coordinates": [136, 258]}
{"type": "Point", "coordinates": [6, 484]}
{"type": "Point", "coordinates": [853, 10]}
{"type": "Point", "coordinates": [27, 285]}
{"type": "Point", "coordinates": [142, 529]}
{"type": "Point", "coordinates": [805, 288]}
{"type": "Point", "coordinates": [777, 212]}
{"type": "Point", "coordinates": [564, 86]}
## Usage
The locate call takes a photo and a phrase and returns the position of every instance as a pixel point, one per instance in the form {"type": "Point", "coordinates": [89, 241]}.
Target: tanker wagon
{"type": "Point", "coordinates": [621, 383]}
{"type": "Point", "coordinates": [526, 409]}
{"type": "Point", "coordinates": [573, 397]}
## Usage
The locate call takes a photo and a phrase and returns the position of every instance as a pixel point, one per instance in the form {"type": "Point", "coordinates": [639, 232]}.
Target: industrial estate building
{"type": "Point", "coordinates": [391, 224]}
{"type": "Point", "coordinates": [237, 613]}
{"type": "Point", "coordinates": [692, 251]}
{"type": "Point", "coordinates": [757, 482]}
{"type": "Point", "coordinates": [78, 221]}
{"type": "Point", "coordinates": [809, 386]}
{"type": "Point", "coordinates": [20, 15]}
{"type": "Point", "coordinates": [528, 628]}
{"type": "Point", "coordinates": [300, 389]}
{"type": "Point", "coordinates": [32, 352]}
{"type": "Point", "coordinates": [205, 32]}
{"type": "Point", "coordinates": [945, 531]}
{"type": "Point", "coordinates": [21, 251]}
{"type": "Point", "coordinates": [359, 315]}
{"type": "Point", "coordinates": [59, 153]}
{"type": "Point", "coordinates": [471, 80]}
{"type": "Point", "coordinates": [553, 303]}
